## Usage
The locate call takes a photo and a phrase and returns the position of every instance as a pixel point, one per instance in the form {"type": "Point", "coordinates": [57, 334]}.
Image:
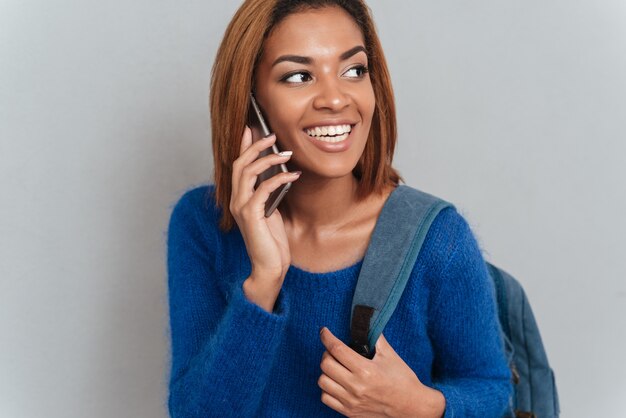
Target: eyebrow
{"type": "Point", "coordinates": [308, 60]}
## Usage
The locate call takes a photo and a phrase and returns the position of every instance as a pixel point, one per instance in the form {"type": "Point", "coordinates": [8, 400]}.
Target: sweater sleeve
{"type": "Point", "coordinates": [223, 346]}
{"type": "Point", "coordinates": [470, 367]}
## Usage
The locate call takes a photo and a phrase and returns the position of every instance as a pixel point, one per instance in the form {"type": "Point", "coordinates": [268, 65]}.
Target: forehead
{"type": "Point", "coordinates": [327, 31]}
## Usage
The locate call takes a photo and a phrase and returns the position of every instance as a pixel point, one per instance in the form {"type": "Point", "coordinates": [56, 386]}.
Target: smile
{"type": "Point", "coordinates": [332, 134]}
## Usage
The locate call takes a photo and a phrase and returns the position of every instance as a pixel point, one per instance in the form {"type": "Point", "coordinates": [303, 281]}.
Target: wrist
{"type": "Point", "coordinates": [268, 277]}
{"type": "Point", "coordinates": [260, 293]}
{"type": "Point", "coordinates": [434, 403]}
{"type": "Point", "coordinates": [422, 402]}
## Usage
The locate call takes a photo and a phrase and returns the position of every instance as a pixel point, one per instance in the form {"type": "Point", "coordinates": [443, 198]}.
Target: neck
{"type": "Point", "coordinates": [315, 204]}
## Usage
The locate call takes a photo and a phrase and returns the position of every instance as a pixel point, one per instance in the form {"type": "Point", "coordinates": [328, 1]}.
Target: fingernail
{"type": "Point", "coordinates": [322, 330]}
{"type": "Point", "coordinates": [270, 137]}
{"type": "Point", "coordinates": [296, 173]}
{"type": "Point", "coordinates": [285, 153]}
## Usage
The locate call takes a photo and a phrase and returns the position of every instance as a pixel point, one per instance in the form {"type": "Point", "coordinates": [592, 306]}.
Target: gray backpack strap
{"type": "Point", "coordinates": [393, 249]}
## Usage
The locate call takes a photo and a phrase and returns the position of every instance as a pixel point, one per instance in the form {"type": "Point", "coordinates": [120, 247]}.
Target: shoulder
{"type": "Point", "coordinates": [196, 215]}
{"type": "Point", "coordinates": [196, 198]}
{"type": "Point", "coordinates": [450, 228]}
{"type": "Point", "coordinates": [196, 201]}
{"type": "Point", "coordinates": [447, 226]}
{"type": "Point", "coordinates": [453, 259]}
{"type": "Point", "coordinates": [449, 235]}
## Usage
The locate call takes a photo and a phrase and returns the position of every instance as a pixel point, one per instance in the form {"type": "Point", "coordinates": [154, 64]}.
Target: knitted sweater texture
{"type": "Point", "coordinates": [230, 358]}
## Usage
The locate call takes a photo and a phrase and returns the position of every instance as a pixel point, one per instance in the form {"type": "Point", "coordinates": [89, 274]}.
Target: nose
{"type": "Point", "coordinates": [330, 95]}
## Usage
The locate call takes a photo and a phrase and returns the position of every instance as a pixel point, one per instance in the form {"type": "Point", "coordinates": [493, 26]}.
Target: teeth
{"type": "Point", "coordinates": [319, 131]}
{"type": "Point", "coordinates": [332, 139]}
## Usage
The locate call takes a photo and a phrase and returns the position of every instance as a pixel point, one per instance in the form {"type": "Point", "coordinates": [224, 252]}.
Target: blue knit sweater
{"type": "Point", "coordinates": [230, 358]}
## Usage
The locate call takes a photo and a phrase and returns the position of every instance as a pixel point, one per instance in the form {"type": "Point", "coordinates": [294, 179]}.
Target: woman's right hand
{"type": "Point", "coordinates": [265, 238]}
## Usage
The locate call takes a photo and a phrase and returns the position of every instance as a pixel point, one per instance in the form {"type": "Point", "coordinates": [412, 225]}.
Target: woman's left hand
{"type": "Point", "coordinates": [382, 387]}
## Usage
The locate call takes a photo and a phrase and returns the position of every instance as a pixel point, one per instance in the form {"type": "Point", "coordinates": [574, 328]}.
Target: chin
{"type": "Point", "coordinates": [330, 173]}
{"type": "Point", "coordinates": [317, 163]}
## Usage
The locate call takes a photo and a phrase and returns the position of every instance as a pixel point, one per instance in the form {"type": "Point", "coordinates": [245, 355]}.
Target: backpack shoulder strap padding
{"type": "Point", "coordinates": [391, 255]}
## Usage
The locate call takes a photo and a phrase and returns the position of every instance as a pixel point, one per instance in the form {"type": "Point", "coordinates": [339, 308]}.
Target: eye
{"type": "Point", "coordinates": [296, 78]}
{"type": "Point", "coordinates": [357, 72]}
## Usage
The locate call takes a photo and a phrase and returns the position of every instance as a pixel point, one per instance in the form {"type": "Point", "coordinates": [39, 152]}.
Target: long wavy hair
{"type": "Point", "coordinates": [232, 80]}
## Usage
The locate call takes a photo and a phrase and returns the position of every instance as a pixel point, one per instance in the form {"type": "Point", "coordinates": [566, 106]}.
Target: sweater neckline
{"type": "Point", "coordinates": [342, 279]}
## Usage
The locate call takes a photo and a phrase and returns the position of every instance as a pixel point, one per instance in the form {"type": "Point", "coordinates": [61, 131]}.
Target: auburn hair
{"type": "Point", "coordinates": [232, 80]}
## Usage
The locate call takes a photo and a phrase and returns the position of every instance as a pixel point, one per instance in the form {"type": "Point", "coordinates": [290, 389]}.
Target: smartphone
{"type": "Point", "coordinates": [260, 129]}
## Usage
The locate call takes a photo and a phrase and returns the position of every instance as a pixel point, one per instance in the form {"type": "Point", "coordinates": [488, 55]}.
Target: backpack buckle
{"type": "Point", "coordinates": [360, 329]}
{"type": "Point", "coordinates": [515, 375]}
{"type": "Point", "coordinates": [363, 349]}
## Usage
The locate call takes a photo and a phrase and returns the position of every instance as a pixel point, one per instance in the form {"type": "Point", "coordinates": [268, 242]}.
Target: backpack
{"type": "Point", "coordinates": [398, 236]}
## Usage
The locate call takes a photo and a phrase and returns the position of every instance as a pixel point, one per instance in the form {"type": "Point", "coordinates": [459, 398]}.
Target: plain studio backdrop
{"type": "Point", "coordinates": [514, 111]}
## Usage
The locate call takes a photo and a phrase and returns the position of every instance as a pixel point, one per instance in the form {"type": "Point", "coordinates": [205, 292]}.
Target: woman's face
{"type": "Point", "coordinates": [313, 86]}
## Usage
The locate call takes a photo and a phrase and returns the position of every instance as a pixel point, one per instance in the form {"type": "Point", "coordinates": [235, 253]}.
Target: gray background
{"type": "Point", "coordinates": [515, 111]}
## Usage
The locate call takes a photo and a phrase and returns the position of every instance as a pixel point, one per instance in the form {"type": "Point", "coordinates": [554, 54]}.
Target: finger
{"type": "Point", "coordinates": [333, 388]}
{"type": "Point", "coordinates": [334, 403]}
{"type": "Point", "coordinates": [252, 152]}
{"type": "Point", "coordinates": [344, 354]}
{"type": "Point", "coordinates": [246, 140]}
{"type": "Point", "coordinates": [266, 188]}
{"type": "Point", "coordinates": [248, 156]}
{"type": "Point", "coordinates": [250, 173]}
{"type": "Point", "coordinates": [336, 371]}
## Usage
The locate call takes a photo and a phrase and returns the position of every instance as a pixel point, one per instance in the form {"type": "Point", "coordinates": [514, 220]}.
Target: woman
{"type": "Point", "coordinates": [249, 294]}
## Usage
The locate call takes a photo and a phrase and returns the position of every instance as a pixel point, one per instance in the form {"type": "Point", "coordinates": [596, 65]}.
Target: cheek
{"type": "Point", "coordinates": [370, 103]}
{"type": "Point", "coordinates": [276, 107]}
{"type": "Point", "coordinates": [286, 115]}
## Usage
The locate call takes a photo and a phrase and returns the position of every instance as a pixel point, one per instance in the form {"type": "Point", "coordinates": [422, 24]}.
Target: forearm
{"type": "Point", "coordinates": [475, 397]}
{"type": "Point", "coordinates": [229, 373]}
